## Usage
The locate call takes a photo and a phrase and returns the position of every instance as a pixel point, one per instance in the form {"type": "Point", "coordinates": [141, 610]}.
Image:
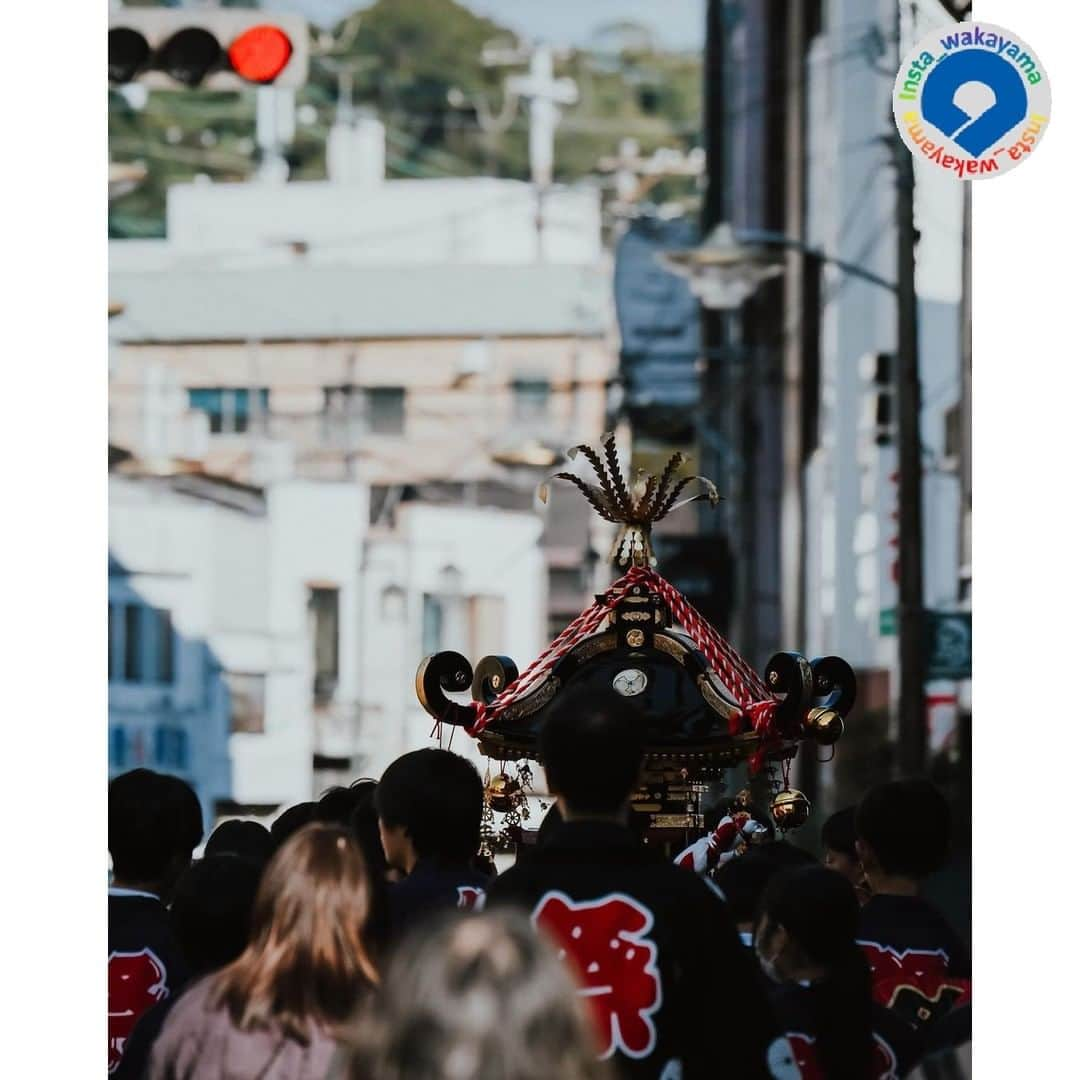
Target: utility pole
{"type": "Point", "coordinates": [795, 347]}
{"type": "Point", "coordinates": [636, 175]}
{"type": "Point", "coordinates": [910, 610]}
{"type": "Point", "coordinates": [546, 95]}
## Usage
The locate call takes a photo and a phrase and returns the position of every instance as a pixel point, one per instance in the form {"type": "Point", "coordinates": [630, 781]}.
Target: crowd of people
{"type": "Point", "coordinates": [362, 936]}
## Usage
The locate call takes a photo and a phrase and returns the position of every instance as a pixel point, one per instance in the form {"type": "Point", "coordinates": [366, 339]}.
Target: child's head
{"type": "Point", "coordinates": [902, 829]}
{"type": "Point", "coordinates": [429, 803]}
{"type": "Point", "coordinates": [155, 822]}
{"type": "Point", "coordinates": [838, 840]}
{"type": "Point", "coordinates": [742, 881]}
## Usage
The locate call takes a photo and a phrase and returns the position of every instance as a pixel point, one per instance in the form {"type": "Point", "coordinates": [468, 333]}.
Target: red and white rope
{"type": "Point", "coordinates": [745, 685]}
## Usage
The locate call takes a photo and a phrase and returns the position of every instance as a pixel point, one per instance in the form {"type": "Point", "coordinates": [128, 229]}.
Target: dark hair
{"type": "Point", "coordinates": [479, 995]}
{"type": "Point", "coordinates": [211, 910]}
{"type": "Point", "coordinates": [592, 745]}
{"type": "Point", "coordinates": [291, 821]}
{"type": "Point", "coordinates": [906, 824]}
{"type": "Point", "coordinates": [246, 838]}
{"type": "Point", "coordinates": [742, 880]}
{"type": "Point", "coordinates": [364, 826]}
{"type": "Point", "coordinates": [552, 820]}
{"type": "Point", "coordinates": [786, 854]}
{"type": "Point", "coordinates": [306, 963]}
{"type": "Point", "coordinates": [336, 804]}
{"type": "Point", "coordinates": [818, 909]}
{"type": "Point", "coordinates": [155, 822]}
{"type": "Point", "coordinates": [439, 798]}
{"type": "Point", "coordinates": [838, 832]}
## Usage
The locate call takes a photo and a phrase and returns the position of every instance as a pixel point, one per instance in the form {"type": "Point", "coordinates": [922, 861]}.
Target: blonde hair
{"type": "Point", "coordinates": [306, 963]}
{"type": "Point", "coordinates": [475, 997]}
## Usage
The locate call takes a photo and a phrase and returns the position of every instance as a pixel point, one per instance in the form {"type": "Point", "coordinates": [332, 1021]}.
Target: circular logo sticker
{"type": "Point", "coordinates": [973, 99]}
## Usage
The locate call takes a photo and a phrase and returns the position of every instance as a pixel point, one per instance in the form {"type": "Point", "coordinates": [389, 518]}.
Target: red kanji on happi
{"type": "Point", "coordinates": [605, 942]}
{"type": "Point", "coordinates": [915, 983]}
{"type": "Point", "coordinates": [136, 981]}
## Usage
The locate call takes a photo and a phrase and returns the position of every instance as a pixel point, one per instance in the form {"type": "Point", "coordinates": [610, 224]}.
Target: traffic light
{"type": "Point", "coordinates": [220, 49]}
{"type": "Point", "coordinates": [878, 417]}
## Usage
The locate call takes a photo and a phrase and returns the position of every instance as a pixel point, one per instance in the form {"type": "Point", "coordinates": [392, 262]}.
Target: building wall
{"type": "Point", "coordinates": [236, 586]}
{"type": "Point", "coordinates": [850, 482]}
{"type": "Point", "coordinates": [473, 220]}
{"type": "Point", "coordinates": [460, 404]}
{"type": "Point", "coordinates": [439, 551]}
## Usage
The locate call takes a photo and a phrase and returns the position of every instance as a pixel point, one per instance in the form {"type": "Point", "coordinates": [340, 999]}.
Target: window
{"type": "Point", "coordinates": [170, 747]}
{"type": "Point", "coordinates": [433, 624]}
{"type": "Point", "coordinates": [247, 702]}
{"type": "Point", "coordinates": [133, 654]}
{"type": "Point", "coordinates": [147, 648]}
{"type": "Point", "coordinates": [118, 748]}
{"type": "Point", "coordinates": [230, 410]}
{"type": "Point", "coordinates": [163, 632]}
{"type": "Point", "coordinates": [386, 410]}
{"type": "Point", "coordinates": [562, 579]}
{"type": "Point", "coordinates": [531, 399]}
{"type": "Point", "coordinates": [323, 627]}
{"type": "Point", "coordinates": [380, 409]}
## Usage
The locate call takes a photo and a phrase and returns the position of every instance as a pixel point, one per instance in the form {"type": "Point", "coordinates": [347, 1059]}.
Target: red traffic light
{"type": "Point", "coordinates": [260, 54]}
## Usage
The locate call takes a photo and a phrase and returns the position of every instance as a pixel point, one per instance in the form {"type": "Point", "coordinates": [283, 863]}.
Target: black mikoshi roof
{"type": "Point", "coordinates": [705, 708]}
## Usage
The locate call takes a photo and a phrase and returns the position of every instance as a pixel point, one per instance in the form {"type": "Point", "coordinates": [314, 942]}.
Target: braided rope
{"type": "Point", "coordinates": [750, 692]}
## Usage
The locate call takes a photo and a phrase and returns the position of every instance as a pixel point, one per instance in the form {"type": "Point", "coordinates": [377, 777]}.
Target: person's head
{"type": "Point", "coordinates": [806, 928]}
{"type": "Point", "coordinates": [291, 821]}
{"type": "Point", "coordinates": [785, 854]}
{"type": "Point", "coordinates": [902, 833]}
{"type": "Point", "coordinates": [479, 995]}
{"type": "Point", "coordinates": [742, 880]}
{"type": "Point", "coordinates": [838, 841]}
{"type": "Point", "coordinates": [306, 963]}
{"type": "Point", "coordinates": [155, 822]}
{"type": "Point", "coordinates": [430, 803]}
{"type": "Point", "coordinates": [211, 910]}
{"type": "Point", "coordinates": [592, 745]}
{"type": "Point", "coordinates": [364, 825]}
{"type": "Point", "coordinates": [248, 839]}
{"type": "Point", "coordinates": [336, 804]}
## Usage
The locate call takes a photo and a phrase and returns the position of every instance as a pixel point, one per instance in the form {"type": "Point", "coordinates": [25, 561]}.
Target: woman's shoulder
{"type": "Point", "coordinates": [191, 1008]}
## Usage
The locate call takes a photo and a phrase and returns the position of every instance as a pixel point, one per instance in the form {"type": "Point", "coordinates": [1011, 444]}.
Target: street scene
{"type": "Point", "coordinates": [477, 371]}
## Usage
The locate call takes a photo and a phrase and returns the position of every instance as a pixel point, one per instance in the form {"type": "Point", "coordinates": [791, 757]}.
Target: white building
{"type": "Point", "coordinates": [850, 482]}
{"type": "Point", "coordinates": [358, 217]}
{"type": "Point", "coordinates": [369, 377]}
{"type": "Point", "coordinates": [263, 645]}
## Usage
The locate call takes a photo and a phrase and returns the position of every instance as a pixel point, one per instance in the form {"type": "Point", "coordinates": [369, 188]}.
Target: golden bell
{"type": "Point", "coordinates": [790, 809]}
{"type": "Point", "coordinates": [502, 793]}
{"type": "Point", "coordinates": [824, 726]}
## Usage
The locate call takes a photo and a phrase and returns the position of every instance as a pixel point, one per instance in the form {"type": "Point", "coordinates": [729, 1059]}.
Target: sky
{"type": "Point", "coordinates": [678, 24]}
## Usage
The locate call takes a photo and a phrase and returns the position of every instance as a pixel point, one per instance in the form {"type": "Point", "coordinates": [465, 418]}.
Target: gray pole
{"type": "Point", "coordinates": [910, 614]}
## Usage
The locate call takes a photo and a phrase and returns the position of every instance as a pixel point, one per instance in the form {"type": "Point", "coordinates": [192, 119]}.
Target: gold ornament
{"type": "Point", "coordinates": [634, 507]}
{"type": "Point", "coordinates": [824, 726]}
{"type": "Point", "coordinates": [503, 793]}
{"type": "Point", "coordinates": [742, 801]}
{"type": "Point", "coordinates": [790, 809]}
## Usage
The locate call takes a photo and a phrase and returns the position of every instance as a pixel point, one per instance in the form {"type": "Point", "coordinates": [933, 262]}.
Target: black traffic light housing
{"type": "Point", "coordinates": [225, 48]}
